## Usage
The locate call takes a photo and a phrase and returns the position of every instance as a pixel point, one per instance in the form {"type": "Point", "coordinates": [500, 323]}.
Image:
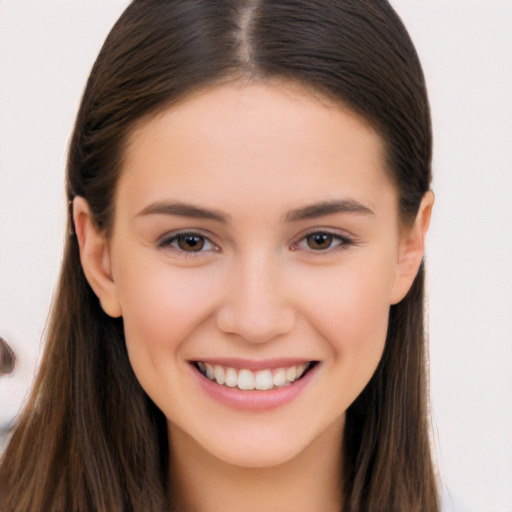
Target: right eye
{"type": "Point", "coordinates": [191, 243]}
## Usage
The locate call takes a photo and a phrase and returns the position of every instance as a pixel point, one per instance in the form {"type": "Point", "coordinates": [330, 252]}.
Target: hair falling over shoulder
{"type": "Point", "coordinates": [69, 451]}
{"type": "Point", "coordinates": [89, 438]}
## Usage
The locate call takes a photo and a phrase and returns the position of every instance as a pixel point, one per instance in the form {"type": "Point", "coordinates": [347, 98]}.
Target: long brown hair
{"type": "Point", "coordinates": [90, 438]}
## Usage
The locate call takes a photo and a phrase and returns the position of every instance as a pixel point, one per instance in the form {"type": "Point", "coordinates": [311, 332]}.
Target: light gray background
{"type": "Point", "coordinates": [46, 51]}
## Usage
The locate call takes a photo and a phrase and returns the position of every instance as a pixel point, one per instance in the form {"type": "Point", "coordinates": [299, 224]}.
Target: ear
{"type": "Point", "coordinates": [95, 257]}
{"type": "Point", "coordinates": [412, 249]}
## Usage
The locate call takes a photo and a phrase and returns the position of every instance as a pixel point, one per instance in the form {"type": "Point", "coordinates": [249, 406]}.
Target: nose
{"type": "Point", "coordinates": [256, 305]}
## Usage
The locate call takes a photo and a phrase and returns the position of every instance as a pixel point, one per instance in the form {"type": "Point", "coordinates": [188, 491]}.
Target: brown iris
{"type": "Point", "coordinates": [190, 243]}
{"type": "Point", "coordinates": [320, 241]}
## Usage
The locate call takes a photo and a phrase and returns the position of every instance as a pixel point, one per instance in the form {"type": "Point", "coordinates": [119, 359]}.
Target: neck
{"type": "Point", "coordinates": [310, 481]}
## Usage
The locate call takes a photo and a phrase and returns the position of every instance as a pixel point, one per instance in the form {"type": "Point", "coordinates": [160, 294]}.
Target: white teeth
{"type": "Point", "coordinates": [231, 378]}
{"type": "Point", "coordinates": [291, 374]}
{"type": "Point", "coordinates": [246, 379]}
{"type": "Point", "coordinates": [264, 380]}
{"type": "Point", "coordinates": [219, 374]}
{"type": "Point", "coordinates": [209, 370]}
{"type": "Point", "coordinates": [300, 370]}
{"type": "Point", "coordinates": [280, 377]}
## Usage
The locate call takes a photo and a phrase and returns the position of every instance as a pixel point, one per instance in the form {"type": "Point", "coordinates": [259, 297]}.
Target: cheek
{"type": "Point", "coordinates": [362, 311]}
{"type": "Point", "coordinates": [161, 305]}
{"type": "Point", "coordinates": [351, 299]}
{"type": "Point", "coordinates": [351, 313]}
{"type": "Point", "coordinates": [355, 325]}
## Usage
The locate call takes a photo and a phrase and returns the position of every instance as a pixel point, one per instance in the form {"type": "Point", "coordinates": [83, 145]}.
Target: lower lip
{"type": "Point", "coordinates": [255, 400]}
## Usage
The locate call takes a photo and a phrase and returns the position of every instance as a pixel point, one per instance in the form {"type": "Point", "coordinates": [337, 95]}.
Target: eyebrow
{"type": "Point", "coordinates": [312, 211]}
{"type": "Point", "coordinates": [328, 208]}
{"type": "Point", "coordinates": [184, 210]}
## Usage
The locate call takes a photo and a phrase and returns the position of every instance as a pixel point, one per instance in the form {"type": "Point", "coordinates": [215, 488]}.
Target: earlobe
{"type": "Point", "coordinates": [95, 257]}
{"type": "Point", "coordinates": [412, 249]}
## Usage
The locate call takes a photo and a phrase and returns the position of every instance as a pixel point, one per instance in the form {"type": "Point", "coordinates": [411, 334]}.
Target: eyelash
{"type": "Point", "coordinates": [337, 242]}
{"type": "Point", "coordinates": [341, 242]}
{"type": "Point", "coordinates": [174, 238]}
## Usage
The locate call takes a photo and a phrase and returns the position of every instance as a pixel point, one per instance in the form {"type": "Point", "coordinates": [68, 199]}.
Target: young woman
{"type": "Point", "coordinates": [239, 320]}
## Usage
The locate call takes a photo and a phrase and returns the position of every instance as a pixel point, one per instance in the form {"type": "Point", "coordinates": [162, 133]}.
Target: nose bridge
{"type": "Point", "coordinates": [257, 307]}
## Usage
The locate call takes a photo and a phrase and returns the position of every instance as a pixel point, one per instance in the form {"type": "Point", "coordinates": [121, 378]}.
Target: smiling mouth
{"type": "Point", "coordinates": [249, 380]}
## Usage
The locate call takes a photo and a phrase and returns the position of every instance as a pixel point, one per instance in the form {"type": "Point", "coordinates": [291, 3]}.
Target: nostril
{"type": "Point", "coordinates": [7, 358]}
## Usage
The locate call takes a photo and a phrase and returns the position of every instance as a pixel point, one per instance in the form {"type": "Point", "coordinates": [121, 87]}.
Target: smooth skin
{"type": "Point", "coordinates": [254, 222]}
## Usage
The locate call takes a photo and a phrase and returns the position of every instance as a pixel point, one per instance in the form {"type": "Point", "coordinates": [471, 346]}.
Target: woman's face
{"type": "Point", "coordinates": [255, 239]}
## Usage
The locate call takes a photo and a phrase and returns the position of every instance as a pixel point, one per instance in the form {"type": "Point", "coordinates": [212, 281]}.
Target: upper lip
{"type": "Point", "coordinates": [254, 364]}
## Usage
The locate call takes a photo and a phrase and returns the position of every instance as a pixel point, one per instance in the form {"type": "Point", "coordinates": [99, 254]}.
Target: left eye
{"type": "Point", "coordinates": [322, 241]}
{"type": "Point", "coordinates": [188, 242]}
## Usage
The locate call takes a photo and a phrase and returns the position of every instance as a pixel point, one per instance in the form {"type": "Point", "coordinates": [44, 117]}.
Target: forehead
{"type": "Point", "coordinates": [236, 144]}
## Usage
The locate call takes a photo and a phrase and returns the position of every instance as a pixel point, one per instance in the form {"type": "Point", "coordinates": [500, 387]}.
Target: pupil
{"type": "Point", "coordinates": [319, 241]}
{"type": "Point", "coordinates": [190, 243]}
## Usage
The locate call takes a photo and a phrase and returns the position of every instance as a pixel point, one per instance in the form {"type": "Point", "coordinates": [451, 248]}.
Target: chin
{"type": "Point", "coordinates": [254, 457]}
{"type": "Point", "coordinates": [269, 445]}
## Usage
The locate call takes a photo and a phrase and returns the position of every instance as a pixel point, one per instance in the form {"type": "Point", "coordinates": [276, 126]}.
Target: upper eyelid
{"type": "Point", "coordinates": [342, 237]}
{"type": "Point", "coordinates": [166, 240]}
{"type": "Point", "coordinates": [342, 242]}
{"type": "Point", "coordinates": [336, 233]}
{"type": "Point", "coordinates": [180, 232]}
